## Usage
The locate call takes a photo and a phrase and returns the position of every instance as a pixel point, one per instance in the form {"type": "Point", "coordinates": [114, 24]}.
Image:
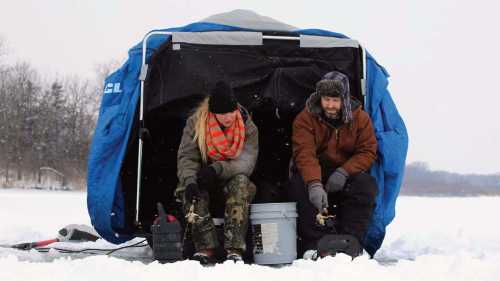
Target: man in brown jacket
{"type": "Point", "coordinates": [334, 146]}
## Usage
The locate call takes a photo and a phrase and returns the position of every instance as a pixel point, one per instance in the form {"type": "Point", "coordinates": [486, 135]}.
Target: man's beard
{"type": "Point", "coordinates": [331, 114]}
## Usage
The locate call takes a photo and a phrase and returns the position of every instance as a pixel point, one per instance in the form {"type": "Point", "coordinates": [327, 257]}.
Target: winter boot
{"type": "Point", "coordinates": [205, 257]}
{"type": "Point", "coordinates": [311, 255]}
{"type": "Point", "coordinates": [234, 255]}
{"type": "Point", "coordinates": [331, 244]}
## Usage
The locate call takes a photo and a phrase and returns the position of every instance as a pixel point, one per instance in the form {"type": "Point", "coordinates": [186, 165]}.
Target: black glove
{"type": "Point", "coordinates": [191, 191]}
{"type": "Point", "coordinates": [207, 177]}
{"type": "Point", "coordinates": [337, 180]}
{"type": "Point", "coordinates": [318, 196]}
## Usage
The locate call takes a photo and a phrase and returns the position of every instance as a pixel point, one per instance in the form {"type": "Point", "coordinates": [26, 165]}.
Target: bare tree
{"type": "Point", "coordinates": [47, 125]}
{"type": "Point", "coordinates": [18, 90]}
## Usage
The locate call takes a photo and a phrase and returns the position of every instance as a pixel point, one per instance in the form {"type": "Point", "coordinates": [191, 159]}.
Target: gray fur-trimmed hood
{"type": "Point", "coordinates": [313, 104]}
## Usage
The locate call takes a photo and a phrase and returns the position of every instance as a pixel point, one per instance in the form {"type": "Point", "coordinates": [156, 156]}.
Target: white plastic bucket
{"type": "Point", "coordinates": [274, 230]}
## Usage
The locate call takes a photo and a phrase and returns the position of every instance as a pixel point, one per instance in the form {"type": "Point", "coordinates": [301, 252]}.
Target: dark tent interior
{"type": "Point", "coordinates": [272, 81]}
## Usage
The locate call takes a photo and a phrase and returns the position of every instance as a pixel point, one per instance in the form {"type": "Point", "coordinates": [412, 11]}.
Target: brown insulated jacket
{"type": "Point", "coordinates": [189, 159]}
{"type": "Point", "coordinates": [353, 149]}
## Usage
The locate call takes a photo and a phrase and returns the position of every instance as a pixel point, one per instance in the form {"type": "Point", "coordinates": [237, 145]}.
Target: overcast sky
{"type": "Point", "coordinates": [442, 55]}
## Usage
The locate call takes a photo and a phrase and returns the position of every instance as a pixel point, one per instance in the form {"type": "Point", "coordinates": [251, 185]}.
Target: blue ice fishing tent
{"type": "Point", "coordinates": [272, 67]}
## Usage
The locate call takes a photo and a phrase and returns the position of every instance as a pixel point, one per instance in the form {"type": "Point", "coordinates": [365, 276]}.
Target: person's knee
{"type": "Point", "coordinates": [296, 187]}
{"type": "Point", "coordinates": [239, 180]}
{"type": "Point", "coordinates": [363, 183]}
{"type": "Point", "coordinates": [240, 188]}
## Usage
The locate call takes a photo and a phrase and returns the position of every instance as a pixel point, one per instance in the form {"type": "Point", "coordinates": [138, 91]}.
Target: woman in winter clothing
{"type": "Point", "coordinates": [216, 157]}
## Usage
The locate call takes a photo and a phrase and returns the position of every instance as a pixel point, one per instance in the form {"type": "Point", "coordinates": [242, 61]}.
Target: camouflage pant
{"type": "Point", "coordinates": [238, 194]}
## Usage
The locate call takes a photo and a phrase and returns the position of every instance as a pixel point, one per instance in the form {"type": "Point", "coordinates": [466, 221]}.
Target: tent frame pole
{"type": "Point", "coordinates": [142, 77]}
{"type": "Point", "coordinates": [363, 78]}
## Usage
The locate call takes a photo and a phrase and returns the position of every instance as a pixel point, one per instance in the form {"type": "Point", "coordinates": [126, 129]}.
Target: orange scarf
{"type": "Point", "coordinates": [227, 144]}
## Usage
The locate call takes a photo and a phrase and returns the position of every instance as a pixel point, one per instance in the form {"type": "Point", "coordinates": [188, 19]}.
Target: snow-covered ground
{"type": "Point", "coordinates": [430, 239]}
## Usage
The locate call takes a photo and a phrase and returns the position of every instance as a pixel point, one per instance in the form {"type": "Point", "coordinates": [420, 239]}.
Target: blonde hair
{"type": "Point", "coordinates": [200, 127]}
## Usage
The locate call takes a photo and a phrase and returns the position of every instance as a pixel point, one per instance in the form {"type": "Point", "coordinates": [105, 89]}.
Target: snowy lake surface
{"type": "Point", "coordinates": [430, 239]}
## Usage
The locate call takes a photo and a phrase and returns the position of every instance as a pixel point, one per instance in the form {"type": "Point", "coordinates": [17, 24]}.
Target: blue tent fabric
{"type": "Point", "coordinates": [119, 104]}
{"type": "Point", "coordinates": [392, 141]}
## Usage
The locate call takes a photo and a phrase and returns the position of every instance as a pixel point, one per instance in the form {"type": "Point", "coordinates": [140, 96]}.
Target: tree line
{"type": "Point", "coordinates": [46, 123]}
{"type": "Point", "coordinates": [421, 180]}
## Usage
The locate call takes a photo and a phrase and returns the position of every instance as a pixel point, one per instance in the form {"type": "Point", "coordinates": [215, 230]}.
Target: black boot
{"type": "Point", "coordinates": [204, 258]}
{"type": "Point", "coordinates": [331, 244]}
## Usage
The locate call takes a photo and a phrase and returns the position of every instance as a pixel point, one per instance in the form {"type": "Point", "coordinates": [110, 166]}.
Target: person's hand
{"type": "Point", "coordinates": [206, 177]}
{"type": "Point", "coordinates": [191, 191]}
{"type": "Point", "coordinates": [318, 196]}
{"type": "Point", "coordinates": [337, 179]}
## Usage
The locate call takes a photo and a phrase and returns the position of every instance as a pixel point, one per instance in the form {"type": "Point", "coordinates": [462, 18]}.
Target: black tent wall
{"type": "Point", "coordinates": [272, 81]}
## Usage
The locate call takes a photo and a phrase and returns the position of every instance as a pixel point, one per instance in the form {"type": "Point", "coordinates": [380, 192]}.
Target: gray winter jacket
{"type": "Point", "coordinates": [189, 159]}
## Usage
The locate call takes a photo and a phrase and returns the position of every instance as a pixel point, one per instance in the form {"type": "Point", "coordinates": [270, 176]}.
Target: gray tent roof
{"type": "Point", "coordinates": [249, 19]}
